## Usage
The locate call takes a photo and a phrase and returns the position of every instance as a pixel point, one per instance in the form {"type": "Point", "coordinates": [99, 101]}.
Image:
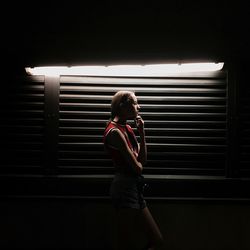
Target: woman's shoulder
{"type": "Point", "coordinates": [109, 126]}
{"type": "Point", "coordinates": [111, 129]}
{"type": "Point", "coordinates": [115, 132]}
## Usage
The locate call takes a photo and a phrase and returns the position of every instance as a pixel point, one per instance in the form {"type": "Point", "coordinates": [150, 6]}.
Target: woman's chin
{"type": "Point", "coordinates": [133, 117]}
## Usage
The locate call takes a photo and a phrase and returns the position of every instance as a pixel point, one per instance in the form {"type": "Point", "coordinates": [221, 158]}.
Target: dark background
{"type": "Point", "coordinates": [79, 32]}
{"type": "Point", "coordinates": [68, 33]}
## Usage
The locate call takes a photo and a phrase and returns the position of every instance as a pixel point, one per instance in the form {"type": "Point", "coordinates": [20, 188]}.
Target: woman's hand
{"type": "Point", "coordinates": [140, 125]}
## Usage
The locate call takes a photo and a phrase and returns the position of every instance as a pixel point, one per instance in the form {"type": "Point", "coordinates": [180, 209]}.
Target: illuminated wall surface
{"type": "Point", "coordinates": [186, 119]}
{"type": "Point", "coordinates": [54, 124]}
{"type": "Point", "coordinates": [185, 115]}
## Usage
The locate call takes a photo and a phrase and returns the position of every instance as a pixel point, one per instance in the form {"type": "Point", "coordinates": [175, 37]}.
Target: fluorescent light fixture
{"type": "Point", "coordinates": [149, 70]}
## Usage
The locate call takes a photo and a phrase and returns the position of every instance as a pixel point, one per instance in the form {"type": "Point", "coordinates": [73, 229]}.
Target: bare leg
{"type": "Point", "coordinates": [127, 219]}
{"type": "Point", "coordinates": [152, 230]}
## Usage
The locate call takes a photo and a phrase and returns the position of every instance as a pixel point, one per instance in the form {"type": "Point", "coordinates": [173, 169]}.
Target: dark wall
{"type": "Point", "coordinates": [76, 223]}
{"type": "Point", "coordinates": [103, 32]}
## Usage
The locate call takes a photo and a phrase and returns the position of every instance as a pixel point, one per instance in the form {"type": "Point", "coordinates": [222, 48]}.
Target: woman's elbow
{"type": "Point", "coordinates": [139, 168]}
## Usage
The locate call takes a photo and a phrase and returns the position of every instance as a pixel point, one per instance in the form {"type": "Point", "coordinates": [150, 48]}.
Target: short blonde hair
{"type": "Point", "coordinates": [119, 100]}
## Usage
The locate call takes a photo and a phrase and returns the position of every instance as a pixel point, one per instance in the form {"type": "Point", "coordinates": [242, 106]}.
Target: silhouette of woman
{"type": "Point", "coordinates": [127, 187]}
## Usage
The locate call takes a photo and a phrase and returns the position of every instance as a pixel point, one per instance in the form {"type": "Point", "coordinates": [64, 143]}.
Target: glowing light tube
{"type": "Point", "coordinates": [149, 70]}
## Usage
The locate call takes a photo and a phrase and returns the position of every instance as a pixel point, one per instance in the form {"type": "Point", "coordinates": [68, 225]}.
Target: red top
{"type": "Point", "coordinates": [121, 164]}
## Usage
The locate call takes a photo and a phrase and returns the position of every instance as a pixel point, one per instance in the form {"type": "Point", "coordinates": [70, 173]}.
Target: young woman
{"type": "Point", "coordinates": [126, 189]}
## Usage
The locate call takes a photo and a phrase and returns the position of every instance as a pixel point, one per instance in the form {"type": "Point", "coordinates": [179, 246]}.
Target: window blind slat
{"type": "Point", "coordinates": [185, 121]}
{"type": "Point", "coordinates": [22, 126]}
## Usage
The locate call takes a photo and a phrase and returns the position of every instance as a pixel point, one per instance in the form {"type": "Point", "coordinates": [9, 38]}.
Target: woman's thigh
{"type": "Point", "coordinates": [152, 230]}
{"type": "Point", "coordinates": [129, 231]}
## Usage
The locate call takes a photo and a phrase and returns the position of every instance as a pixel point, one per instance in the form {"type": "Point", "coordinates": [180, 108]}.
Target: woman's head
{"type": "Point", "coordinates": [124, 104]}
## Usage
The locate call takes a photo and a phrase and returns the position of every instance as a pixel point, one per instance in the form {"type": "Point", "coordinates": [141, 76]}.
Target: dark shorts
{"type": "Point", "coordinates": [127, 192]}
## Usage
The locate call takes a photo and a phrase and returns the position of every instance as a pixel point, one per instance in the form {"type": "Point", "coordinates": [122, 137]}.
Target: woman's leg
{"type": "Point", "coordinates": [152, 230]}
{"type": "Point", "coordinates": [126, 233]}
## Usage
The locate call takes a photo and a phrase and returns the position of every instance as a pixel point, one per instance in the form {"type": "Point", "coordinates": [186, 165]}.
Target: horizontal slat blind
{"type": "Point", "coordinates": [22, 126]}
{"type": "Point", "coordinates": [185, 120]}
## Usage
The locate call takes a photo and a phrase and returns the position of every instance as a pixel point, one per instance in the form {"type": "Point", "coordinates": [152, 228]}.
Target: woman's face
{"type": "Point", "coordinates": [133, 107]}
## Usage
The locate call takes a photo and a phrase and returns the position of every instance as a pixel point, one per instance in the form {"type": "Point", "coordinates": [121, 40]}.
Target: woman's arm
{"type": "Point", "coordinates": [142, 156]}
{"type": "Point", "coordinates": [118, 140]}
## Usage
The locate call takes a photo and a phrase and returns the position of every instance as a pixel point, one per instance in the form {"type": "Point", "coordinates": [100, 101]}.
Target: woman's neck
{"type": "Point", "coordinates": [120, 120]}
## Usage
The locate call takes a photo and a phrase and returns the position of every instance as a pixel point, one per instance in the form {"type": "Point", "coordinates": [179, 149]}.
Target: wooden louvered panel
{"type": "Point", "coordinates": [185, 117]}
{"type": "Point", "coordinates": [22, 126]}
{"type": "Point", "coordinates": [184, 80]}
